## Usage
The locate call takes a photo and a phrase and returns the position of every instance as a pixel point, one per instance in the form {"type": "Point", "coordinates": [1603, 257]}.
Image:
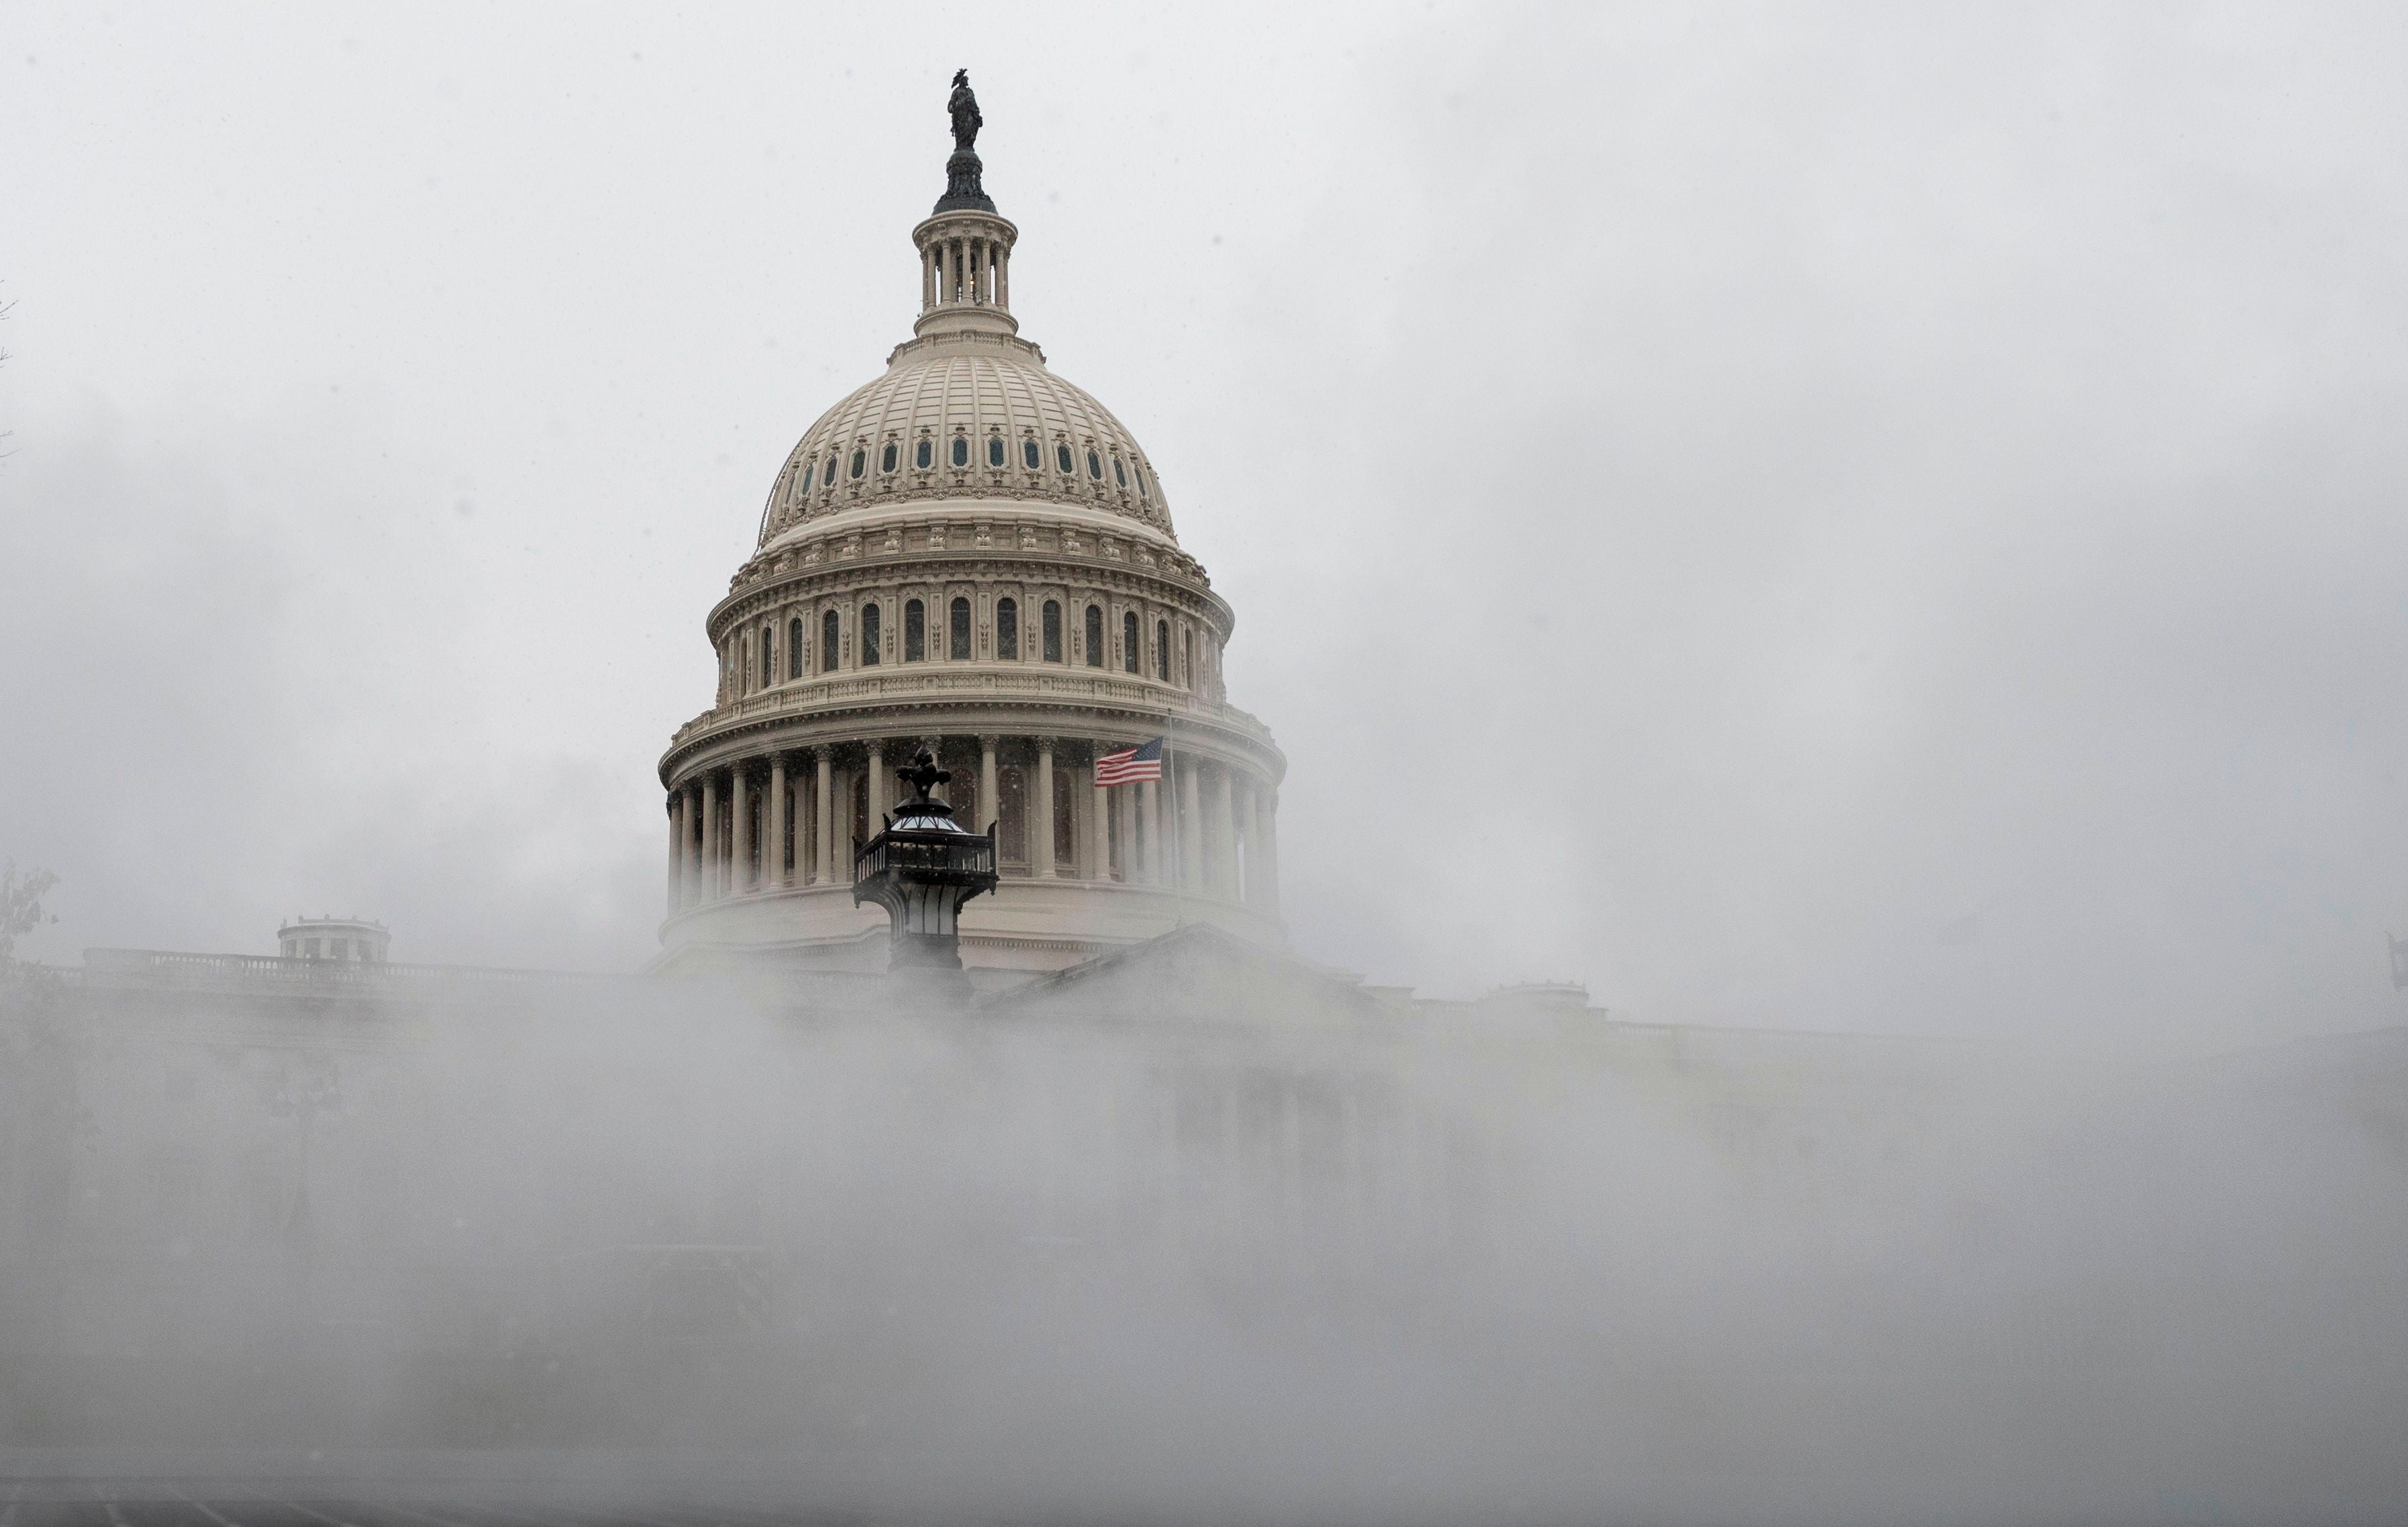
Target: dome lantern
{"type": "Point", "coordinates": [964, 245]}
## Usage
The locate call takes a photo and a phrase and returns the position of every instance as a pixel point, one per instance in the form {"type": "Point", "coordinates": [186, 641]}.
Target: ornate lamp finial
{"type": "Point", "coordinates": [923, 776]}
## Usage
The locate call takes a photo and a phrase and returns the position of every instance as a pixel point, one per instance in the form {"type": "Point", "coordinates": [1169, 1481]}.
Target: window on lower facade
{"type": "Point", "coordinates": [869, 624]}
{"type": "Point", "coordinates": [1162, 650]}
{"type": "Point", "coordinates": [794, 647]}
{"type": "Point", "coordinates": [915, 631]}
{"type": "Point", "coordinates": [831, 632]}
{"type": "Point", "coordinates": [1094, 636]}
{"type": "Point", "coordinates": [1053, 631]}
{"type": "Point", "coordinates": [957, 644]}
{"type": "Point", "coordinates": [768, 656]}
{"type": "Point", "coordinates": [1128, 641]}
{"type": "Point", "coordinates": [1007, 630]}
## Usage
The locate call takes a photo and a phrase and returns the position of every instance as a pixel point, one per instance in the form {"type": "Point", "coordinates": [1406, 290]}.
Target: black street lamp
{"type": "Point", "coordinates": [923, 868]}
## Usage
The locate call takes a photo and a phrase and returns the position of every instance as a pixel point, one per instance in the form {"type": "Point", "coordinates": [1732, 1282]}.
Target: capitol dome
{"type": "Point", "coordinates": [964, 413]}
{"type": "Point", "coordinates": [973, 556]}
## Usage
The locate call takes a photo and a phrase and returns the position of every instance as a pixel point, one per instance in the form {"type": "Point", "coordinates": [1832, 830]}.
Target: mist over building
{"type": "Point", "coordinates": [1165, 1195]}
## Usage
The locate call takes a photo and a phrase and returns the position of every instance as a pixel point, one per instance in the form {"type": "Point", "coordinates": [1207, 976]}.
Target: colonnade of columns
{"type": "Point", "coordinates": [786, 819]}
{"type": "Point", "coordinates": [974, 270]}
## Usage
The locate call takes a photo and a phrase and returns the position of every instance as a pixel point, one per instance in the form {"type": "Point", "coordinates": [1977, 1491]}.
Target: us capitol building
{"type": "Point", "coordinates": [754, 1183]}
{"type": "Point", "coordinates": [972, 555]}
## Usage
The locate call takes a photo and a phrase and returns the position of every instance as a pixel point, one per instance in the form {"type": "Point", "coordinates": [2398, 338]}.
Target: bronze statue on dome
{"type": "Point", "coordinates": [962, 105]}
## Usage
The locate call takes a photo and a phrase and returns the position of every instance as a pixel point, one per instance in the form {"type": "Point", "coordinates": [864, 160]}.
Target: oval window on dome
{"type": "Point", "coordinates": [886, 458]}
{"type": "Point", "coordinates": [1029, 456]}
{"type": "Point", "coordinates": [961, 450]}
{"type": "Point", "coordinates": [1141, 482]}
{"type": "Point", "coordinates": [924, 455]}
{"type": "Point", "coordinates": [860, 459]}
{"type": "Point", "coordinates": [1120, 473]}
{"type": "Point", "coordinates": [828, 478]}
{"type": "Point", "coordinates": [806, 479]}
{"type": "Point", "coordinates": [994, 451]}
{"type": "Point", "coordinates": [1062, 459]}
{"type": "Point", "coordinates": [1095, 466]}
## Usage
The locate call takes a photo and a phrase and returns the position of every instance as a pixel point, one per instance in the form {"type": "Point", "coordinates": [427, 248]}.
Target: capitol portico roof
{"type": "Point", "coordinates": [967, 414]}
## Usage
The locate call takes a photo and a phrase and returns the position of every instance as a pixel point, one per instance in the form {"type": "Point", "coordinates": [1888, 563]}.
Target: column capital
{"type": "Point", "coordinates": [990, 740]}
{"type": "Point", "coordinates": [1044, 744]}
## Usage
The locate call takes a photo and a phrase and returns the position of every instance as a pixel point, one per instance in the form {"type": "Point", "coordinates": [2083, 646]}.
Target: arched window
{"type": "Point", "coordinates": [794, 647]}
{"type": "Point", "coordinates": [924, 455]}
{"type": "Point", "coordinates": [1061, 458]}
{"type": "Point", "coordinates": [831, 634]}
{"type": "Point", "coordinates": [1028, 457]}
{"type": "Point", "coordinates": [1162, 650]}
{"type": "Point", "coordinates": [1051, 630]}
{"type": "Point", "coordinates": [869, 634]}
{"type": "Point", "coordinates": [1007, 630]}
{"type": "Point", "coordinates": [994, 451]}
{"type": "Point", "coordinates": [1094, 636]}
{"type": "Point", "coordinates": [768, 656]}
{"type": "Point", "coordinates": [1120, 473]}
{"type": "Point", "coordinates": [1128, 641]}
{"type": "Point", "coordinates": [915, 631]}
{"type": "Point", "coordinates": [860, 459]}
{"type": "Point", "coordinates": [957, 643]}
{"type": "Point", "coordinates": [1095, 464]}
{"type": "Point", "coordinates": [961, 450]}
{"type": "Point", "coordinates": [886, 458]}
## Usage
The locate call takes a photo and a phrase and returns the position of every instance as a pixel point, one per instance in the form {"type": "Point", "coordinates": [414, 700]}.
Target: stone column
{"type": "Point", "coordinates": [739, 851]}
{"type": "Point", "coordinates": [1099, 846]}
{"type": "Point", "coordinates": [1003, 276]}
{"type": "Point", "coordinates": [710, 836]}
{"type": "Point", "coordinates": [876, 787]}
{"type": "Point", "coordinates": [689, 850]}
{"type": "Point", "coordinates": [677, 846]}
{"type": "Point", "coordinates": [1146, 843]}
{"type": "Point", "coordinates": [1191, 828]}
{"type": "Point", "coordinates": [1041, 821]}
{"type": "Point", "coordinates": [1249, 830]}
{"type": "Point", "coordinates": [823, 823]}
{"type": "Point", "coordinates": [990, 801]}
{"type": "Point", "coordinates": [1270, 812]}
{"type": "Point", "coordinates": [773, 851]}
{"type": "Point", "coordinates": [1224, 837]}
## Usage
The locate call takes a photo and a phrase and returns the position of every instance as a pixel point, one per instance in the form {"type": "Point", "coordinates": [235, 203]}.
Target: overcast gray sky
{"type": "Point", "coordinates": [1714, 498]}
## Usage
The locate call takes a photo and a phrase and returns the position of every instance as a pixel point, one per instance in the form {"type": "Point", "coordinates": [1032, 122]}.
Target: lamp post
{"type": "Point", "coordinates": [923, 868]}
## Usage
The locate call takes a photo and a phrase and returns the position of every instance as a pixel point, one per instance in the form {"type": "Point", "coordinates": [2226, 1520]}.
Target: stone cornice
{"type": "Point", "coordinates": [870, 562]}
{"type": "Point", "coordinates": [1013, 698]}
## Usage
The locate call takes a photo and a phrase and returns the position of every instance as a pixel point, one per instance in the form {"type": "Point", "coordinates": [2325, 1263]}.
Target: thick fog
{"type": "Point", "coordinates": [1880, 519]}
{"type": "Point", "coordinates": [627, 1246]}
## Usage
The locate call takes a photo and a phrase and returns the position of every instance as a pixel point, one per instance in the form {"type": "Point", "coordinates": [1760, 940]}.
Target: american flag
{"type": "Point", "coordinates": [1131, 766]}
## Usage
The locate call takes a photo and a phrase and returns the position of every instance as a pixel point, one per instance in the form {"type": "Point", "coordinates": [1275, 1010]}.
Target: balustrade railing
{"type": "Point", "coordinates": [174, 968]}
